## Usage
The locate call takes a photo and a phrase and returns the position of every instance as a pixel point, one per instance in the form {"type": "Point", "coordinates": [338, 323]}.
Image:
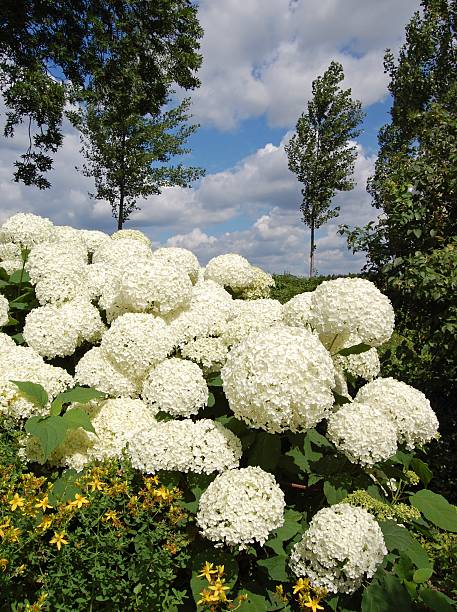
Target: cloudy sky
{"type": "Point", "coordinates": [259, 61]}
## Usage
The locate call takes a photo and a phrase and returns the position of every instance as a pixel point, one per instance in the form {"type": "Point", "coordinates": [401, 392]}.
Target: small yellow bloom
{"type": "Point", "coordinates": [13, 534]}
{"type": "Point", "coordinates": [314, 604]}
{"type": "Point", "coordinates": [219, 589]}
{"type": "Point", "coordinates": [20, 570]}
{"type": "Point", "coordinates": [43, 504]}
{"type": "Point", "coordinates": [220, 570]}
{"type": "Point", "coordinates": [79, 501]}
{"type": "Point", "coordinates": [58, 539]}
{"type": "Point", "coordinates": [302, 584]}
{"type": "Point", "coordinates": [4, 527]}
{"type": "Point", "coordinates": [206, 598]}
{"type": "Point", "coordinates": [45, 523]}
{"type": "Point", "coordinates": [3, 564]}
{"type": "Point", "coordinates": [16, 502]}
{"type": "Point", "coordinates": [280, 593]}
{"type": "Point", "coordinates": [206, 571]}
{"type": "Point", "coordinates": [96, 484]}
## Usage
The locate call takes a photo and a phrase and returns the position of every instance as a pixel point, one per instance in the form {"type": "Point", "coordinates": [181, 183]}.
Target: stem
{"type": "Point", "coordinates": [311, 252]}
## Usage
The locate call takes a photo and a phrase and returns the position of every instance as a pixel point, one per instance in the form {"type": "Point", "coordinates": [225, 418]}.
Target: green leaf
{"type": "Point", "coordinates": [422, 470]}
{"type": "Point", "coordinates": [292, 526]}
{"type": "Point", "coordinates": [334, 494]}
{"type": "Point", "coordinates": [265, 451]}
{"type": "Point", "coordinates": [50, 431]}
{"type": "Point", "coordinates": [34, 392]}
{"type": "Point", "coordinates": [354, 350]}
{"type": "Point", "coordinates": [198, 483]}
{"type": "Point", "coordinates": [64, 488]}
{"type": "Point", "coordinates": [255, 602]}
{"type": "Point", "coordinates": [19, 276]}
{"type": "Point", "coordinates": [422, 574]}
{"type": "Point", "coordinates": [318, 439]}
{"type": "Point", "coordinates": [436, 509]}
{"type": "Point", "coordinates": [211, 400]}
{"type": "Point", "coordinates": [340, 400]}
{"type": "Point", "coordinates": [387, 595]}
{"type": "Point", "coordinates": [399, 538]}
{"type": "Point", "coordinates": [276, 567]}
{"type": "Point", "coordinates": [76, 417]}
{"type": "Point", "coordinates": [81, 395]}
{"type": "Point", "coordinates": [18, 338]}
{"type": "Point", "coordinates": [217, 557]}
{"type": "Point", "coordinates": [216, 381]}
{"type": "Point", "coordinates": [437, 601]}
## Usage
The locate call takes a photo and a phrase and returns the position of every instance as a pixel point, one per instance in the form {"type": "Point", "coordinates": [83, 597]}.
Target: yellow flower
{"type": "Point", "coordinates": [3, 564]}
{"type": "Point", "coordinates": [314, 604]}
{"type": "Point", "coordinates": [16, 502]}
{"type": "Point", "coordinates": [301, 585]}
{"type": "Point", "coordinates": [43, 504]}
{"type": "Point", "coordinates": [220, 570]}
{"type": "Point", "coordinates": [79, 501]}
{"type": "Point", "coordinates": [219, 589]}
{"type": "Point", "coordinates": [20, 570]}
{"type": "Point", "coordinates": [206, 598]}
{"type": "Point", "coordinates": [96, 484]}
{"type": "Point", "coordinates": [206, 571]}
{"type": "Point", "coordinates": [280, 593]}
{"type": "Point", "coordinates": [4, 527]}
{"type": "Point", "coordinates": [163, 493]}
{"type": "Point", "coordinates": [13, 534]}
{"type": "Point", "coordinates": [58, 539]}
{"type": "Point", "coordinates": [45, 523]}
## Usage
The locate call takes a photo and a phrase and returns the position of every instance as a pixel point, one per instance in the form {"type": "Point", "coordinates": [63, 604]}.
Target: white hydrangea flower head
{"type": "Point", "coordinates": [60, 287]}
{"type": "Point", "coordinates": [11, 265]}
{"type": "Point", "coordinates": [241, 507]}
{"type": "Point", "coordinates": [411, 412]}
{"type": "Point", "coordinates": [364, 365]}
{"type": "Point", "coordinates": [201, 447]}
{"type": "Point", "coordinates": [131, 234]}
{"type": "Point", "coordinates": [86, 319]}
{"type": "Point", "coordinates": [197, 321]}
{"type": "Point", "coordinates": [4, 308]}
{"type": "Point", "coordinates": [118, 253]}
{"type": "Point", "coordinates": [231, 270]}
{"type": "Point", "coordinates": [251, 316]}
{"type": "Point", "coordinates": [260, 287]}
{"type": "Point", "coordinates": [280, 378]}
{"type": "Point", "coordinates": [352, 306]}
{"type": "Point", "coordinates": [52, 258]}
{"type": "Point", "coordinates": [6, 343]}
{"type": "Point", "coordinates": [93, 239]}
{"type": "Point", "coordinates": [209, 353]}
{"type": "Point", "coordinates": [50, 332]}
{"type": "Point", "coordinates": [135, 342]}
{"type": "Point", "coordinates": [208, 291]}
{"type": "Point", "coordinates": [97, 276]}
{"type": "Point", "coordinates": [27, 229]}
{"type": "Point", "coordinates": [297, 311]}
{"type": "Point", "coordinates": [10, 250]}
{"type": "Point", "coordinates": [95, 370]}
{"type": "Point", "coordinates": [175, 386]}
{"type": "Point", "coordinates": [363, 433]}
{"type": "Point", "coordinates": [342, 546]}
{"type": "Point", "coordinates": [183, 259]}
{"type": "Point", "coordinates": [155, 286]}
{"type": "Point", "coordinates": [66, 233]}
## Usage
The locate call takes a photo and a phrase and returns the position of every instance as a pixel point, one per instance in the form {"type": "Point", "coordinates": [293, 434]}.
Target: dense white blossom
{"type": "Point", "coordinates": [95, 370]}
{"type": "Point", "coordinates": [93, 239]}
{"type": "Point", "coordinates": [9, 250]}
{"type": "Point", "coordinates": [365, 365]}
{"type": "Point", "coordinates": [250, 316]}
{"type": "Point", "coordinates": [279, 378]}
{"type": "Point", "coordinates": [198, 321]}
{"type": "Point", "coordinates": [181, 259]}
{"type": "Point", "coordinates": [352, 306]}
{"type": "Point", "coordinates": [85, 318]}
{"type": "Point", "coordinates": [201, 447]}
{"type": "Point", "coordinates": [26, 229]}
{"type": "Point", "coordinates": [175, 386]}
{"type": "Point", "coordinates": [342, 546]}
{"type": "Point", "coordinates": [131, 234]}
{"type": "Point", "coordinates": [11, 265]}
{"type": "Point", "coordinates": [118, 253]}
{"type": "Point", "coordinates": [135, 342]}
{"type": "Point", "coordinates": [4, 307]}
{"type": "Point", "coordinates": [50, 331]}
{"type": "Point", "coordinates": [409, 409]}
{"type": "Point", "coordinates": [297, 311]}
{"type": "Point", "coordinates": [365, 434]}
{"type": "Point", "coordinates": [47, 259]}
{"type": "Point", "coordinates": [209, 353]}
{"type": "Point", "coordinates": [241, 507]}
{"type": "Point", "coordinates": [231, 270]}
{"type": "Point", "coordinates": [260, 287]}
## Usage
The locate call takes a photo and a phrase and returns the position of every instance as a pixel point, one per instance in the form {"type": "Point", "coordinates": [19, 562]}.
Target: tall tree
{"type": "Point", "coordinates": [412, 247]}
{"type": "Point", "coordinates": [73, 51]}
{"type": "Point", "coordinates": [320, 153]}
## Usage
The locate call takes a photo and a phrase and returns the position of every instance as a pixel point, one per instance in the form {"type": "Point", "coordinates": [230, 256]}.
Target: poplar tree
{"type": "Point", "coordinates": [320, 152]}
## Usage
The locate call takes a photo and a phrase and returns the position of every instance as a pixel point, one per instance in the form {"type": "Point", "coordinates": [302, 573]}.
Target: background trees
{"type": "Point", "coordinates": [117, 62]}
{"type": "Point", "coordinates": [320, 154]}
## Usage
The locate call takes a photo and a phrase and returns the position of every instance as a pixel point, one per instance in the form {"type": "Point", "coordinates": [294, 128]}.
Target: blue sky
{"type": "Point", "coordinates": [259, 61]}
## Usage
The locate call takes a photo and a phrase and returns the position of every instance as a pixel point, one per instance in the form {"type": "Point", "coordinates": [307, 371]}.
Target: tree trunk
{"type": "Point", "coordinates": [120, 218]}
{"type": "Point", "coordinates": [311, 252]}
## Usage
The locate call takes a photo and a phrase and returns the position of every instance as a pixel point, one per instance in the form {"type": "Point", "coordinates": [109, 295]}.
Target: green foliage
{"type": "Point", "coordinates": [436, 509]}
{"type": "Point", "coordinates": [53, 54]}
{"type": "Point", "coordinates": [287, 285]}
{"type": "Point", "coordinates": [319, 152]}
{"type": "Point", "coordinates": [16, 288]}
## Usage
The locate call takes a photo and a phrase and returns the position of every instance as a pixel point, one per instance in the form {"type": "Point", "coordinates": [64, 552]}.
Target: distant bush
{"type": "Point", "coordinates": [287, 285]}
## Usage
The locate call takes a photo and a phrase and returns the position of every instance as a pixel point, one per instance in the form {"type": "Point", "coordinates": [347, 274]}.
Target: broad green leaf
{"type": "Point", "coordinates": [198, 483]}
{"type": "Point", "coordinates": [437, 601]}
{"type": "Point", "coordinates": [217, 557]}
{"type": "Point", "coordinates": [34, 392]}
{"type": "Point", "coordinates": [387, 595]}
{"type": "Point", "coordinates": [216, 381]}
{"type": "Point", "coordinates": [64, 488]}
{"type": "Point", "coordinates": [276, 567]}
{"type": "Point", "coordinates": [19, 305]}
{"type": "Point", "coordinates": [18, 338]}
{"type": "Point", "coordinates": [292, 526]}
{"type": "Point", "coordinates": [422, 470]}
{"type": "Point", "coordinates": [334, 494]}
{"type": "Point", "coordinates": [354, 350]}
{"type": "Point", "coordinates": [81, 395]}
{"type": "Point", "coordinates": [399, 538]}
{"type": "Point", "coordinates": [422, 574]}
{"type": "Point", "coordinates": [76, 417]}
{"type": "Point", "coordinates": [265, 451]}
{"type": "Point", "coordinates": [318, 439]}
{"type": "Point", "coordinates": [50, 431]}
{"type": "Point", "coordinates": [255, 602]}
{"type": "Point", "coordinates": [340, 400]}
{"type": "Point", "coordinates": [19, 276]}
{"type": "Point", "coordinates": [211, 400]}
{"type": "Point", "coordinates": [436, 509]}
{"type": "Point", "coordinates": [11, 321]}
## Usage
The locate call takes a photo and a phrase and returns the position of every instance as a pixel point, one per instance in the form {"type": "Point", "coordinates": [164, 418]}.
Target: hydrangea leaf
{"type": "Point", "coordinates": [75, 417]}
{"type": "Point", "coordinates": [422, 574]}
{"type": "Point", "coordinates": [64, 488]}
{"type": "Point", "coordinates": [354, 350]}
{"type": "Point", "coordinates": [211, 400]}
{"type": "Point", "coordinates": [265, 451]}
{"type": "Point", "coordinates": [19, 276]}
{"type": "Point", "coordinates": [422, 470]}
{"type": "Point", "coordinates": [34, 392]}
{"type": "Point", "coordinates": [386, 595]}
{"type": "Point", "coordinates": [276, 567]}
{"type": "Point", "coordinates": [399, 538]}
{"type": "Point", "coordinates": [81, 395]}
{"type": "Point", "coordinates": [292, 526]}
{"type": "Point", "coordinates": [436, 509]}
{"type": "Point", "coordinates": [437, 601]}
{"type": "Point", "coordinates": [49, 431]}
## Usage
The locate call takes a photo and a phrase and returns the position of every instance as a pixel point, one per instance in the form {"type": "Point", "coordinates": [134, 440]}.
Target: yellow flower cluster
{"type": "Point", "coordinates": [307, 597]}
{"type": "Point", "coordinates": [214, 597]}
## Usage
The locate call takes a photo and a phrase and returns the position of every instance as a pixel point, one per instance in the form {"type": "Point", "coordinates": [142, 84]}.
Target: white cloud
{"type": "Point", "coordinates": [261, 57]}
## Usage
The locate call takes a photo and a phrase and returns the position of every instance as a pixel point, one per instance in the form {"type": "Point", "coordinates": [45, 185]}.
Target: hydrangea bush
{"type": "Point", "coordinates": [303, 470]}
